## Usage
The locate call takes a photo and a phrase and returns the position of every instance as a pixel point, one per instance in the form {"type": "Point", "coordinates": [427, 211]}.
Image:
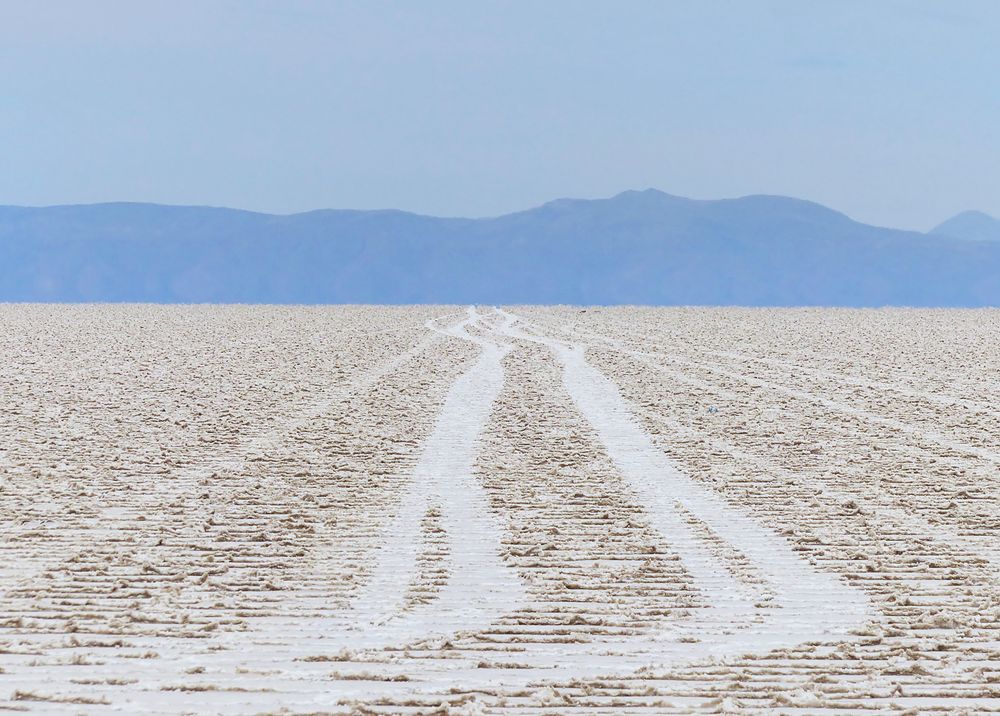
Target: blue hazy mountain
{"type": "Point", "coordinates": [972, 225]}
{"type": "Point", "coordinates": [643, 247]}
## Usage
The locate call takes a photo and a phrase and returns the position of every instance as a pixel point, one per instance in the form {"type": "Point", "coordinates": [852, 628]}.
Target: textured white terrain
{"type": "Point", "coordinates": [477, 510]}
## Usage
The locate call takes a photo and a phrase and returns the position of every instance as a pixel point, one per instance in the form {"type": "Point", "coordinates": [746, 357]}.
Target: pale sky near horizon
{"type": "Point", "coordinates": [885, 109]}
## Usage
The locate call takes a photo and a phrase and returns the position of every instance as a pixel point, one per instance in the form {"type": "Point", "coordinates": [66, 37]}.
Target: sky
{"type": "Point", "coordinates": [886, 110]}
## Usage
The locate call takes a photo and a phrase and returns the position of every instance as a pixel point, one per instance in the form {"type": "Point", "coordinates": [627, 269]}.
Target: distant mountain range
{"type": "Point", "coordinates": [639, 247]}
{"type": "Point", "coordinates": [972, 225]}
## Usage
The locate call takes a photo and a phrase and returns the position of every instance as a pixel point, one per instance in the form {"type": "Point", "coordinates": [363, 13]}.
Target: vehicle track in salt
{"type": "Point", "coordinates": [801, 595]}
{"type": "Point", "coordinates": [784, 605]}
{"type": "Point", "coordinates": [985, 546]}
{"type": "Point", "coordinates": [479, 587]}
{"type": "Point", "coordinates": [101, 577]}
{"type": "Point", "coordinates": [786, 608]}
{"type": "Point", "coordinates": [788, 605]}
{"type": "Point", "coordinates": [931, 436]}
{"type": "Point", "coordinates": [627, 577]}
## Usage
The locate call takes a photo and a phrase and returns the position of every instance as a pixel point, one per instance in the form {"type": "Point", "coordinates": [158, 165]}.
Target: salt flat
{"type": "Point", "coordinates": [498, 510]}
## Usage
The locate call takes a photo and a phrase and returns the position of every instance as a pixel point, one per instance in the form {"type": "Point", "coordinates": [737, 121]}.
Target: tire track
{"type": "Point", "coordinates": [479, 587]}
{"type": "Point", "coordinates": [837, 406]}
{"type": "Point", "coordinates": [982, 546]}
{"type": "Point", "coordinates": [644, 592]}
{"type": "Point", "coordinates": [802, 595]}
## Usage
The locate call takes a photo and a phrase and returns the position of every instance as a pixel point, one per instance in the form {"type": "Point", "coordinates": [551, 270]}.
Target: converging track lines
{"type": "Point", "coordinates": [435, 510]}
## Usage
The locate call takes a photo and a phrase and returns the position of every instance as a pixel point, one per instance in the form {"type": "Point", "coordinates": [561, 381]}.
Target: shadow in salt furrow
{"type": "Point", "coordinates": [802, 595]}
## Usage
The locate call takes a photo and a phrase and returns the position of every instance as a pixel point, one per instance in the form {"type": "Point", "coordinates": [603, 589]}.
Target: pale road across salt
{"type": "Point", "coordinates": [837, 406]}
{"type": "Point", "coordinates": [480, 587]}
{"type": "Point", "coordinates": [790, 607]}
{"type": "Point", "coordinates": [800, 597]}
{"type": "Point", "coordinates": [986, 548]}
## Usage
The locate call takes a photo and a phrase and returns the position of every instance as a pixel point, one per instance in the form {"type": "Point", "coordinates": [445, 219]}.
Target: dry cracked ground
{"type": "Point", "coordinates": [454, 510]}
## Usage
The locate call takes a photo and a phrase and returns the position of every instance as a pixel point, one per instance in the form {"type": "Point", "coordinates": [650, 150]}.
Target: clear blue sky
{"type": "Point", "coordinates": [886, 109]}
